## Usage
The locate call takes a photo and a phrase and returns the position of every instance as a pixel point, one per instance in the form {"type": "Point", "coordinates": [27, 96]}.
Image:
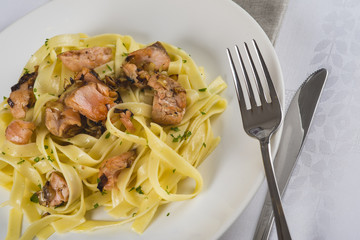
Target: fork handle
{"type": "Point", "coordinates": [280, 220]}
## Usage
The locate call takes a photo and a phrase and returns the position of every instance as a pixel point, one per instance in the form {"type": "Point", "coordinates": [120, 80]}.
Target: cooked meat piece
{"type": "Point", "coordinates": [140, 64]}
{"type": "Point", "coordinates": [22, 95]}
{"type": "Point", "coordinates": [91, 58]}
{"type": "Point", "coordinates": [125, 118]}
{"type": "Point", "coordinates": [88, 76]}
{"type": "Point", "coordinates": [136, 76]}
{"type": "Point", "coordinates": [111, 168]}
{"type": "Point", "coordinates": [55, 191]}
{"type": "Point", "coordinates": [62, 121]}
{"type": "Point", "coordinates": [169, 100]}
{"type": "Point", "coordinates": [155, 54]}
{"type": "Point", "coordinates": [92, 100]}
{"type": "Point", "coordinates": [19, 132]}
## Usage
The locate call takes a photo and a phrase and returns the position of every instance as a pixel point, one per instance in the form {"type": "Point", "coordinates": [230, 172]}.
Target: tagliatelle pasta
{"type": "Point", "coordinates": [165, 154]}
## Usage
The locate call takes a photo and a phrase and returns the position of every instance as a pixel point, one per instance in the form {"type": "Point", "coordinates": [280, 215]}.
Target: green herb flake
{"type": "Point", "coordinates": [96, 205]}
{"type": "Point", "coordinates": [124, 45]}
{"type": "Point", "coordinates": [124, 54]}
{"type": "Point", "coordinates": [46, 42]}
{"type": "Point", "coordinates": [167, 214]}
{"type": "Point", "coordinates": [174, 170]}
{"type": "Point", "coordinates": [202, 89]}
{"type": "Point", "coordinates": [3, 153]}
{"type": "Point", "coordinates": [5, 98]}
{"type": "Point", "coordinates": [21, 161]}
{"type": "Point", "coordinates": [175, 129]}
{"type": "Point", "coordinates": [26, 71]}
{"type": "Point", "coordinates": [46, 146]}
{"type": "Point", "coordinates": [34, 198]}
{"type": "Point", "coordinates": [133, 215]}
{"type": "Point", "coordinates": [98, 180]}
{"type": "Point", "coordinates": [204, 145]}
{"type": "Point", "coordinates": [37, 159]}
{"type": "Point", "coordinates": [107, 135]}
{"type": "Point", "coordinates": [167, 190]}
{"type": "Point", "coordinates": [131, 189]}
{"type": "Point", "coordinates": [35, 90]}
{"type": "Point", "coordinates": [203, 113]}
{"type": "Point", "coordinates": [50, 159]}
{"type": "Point", "coordinates": [184, 61]}
{"type": "Point", "coordinates": [109, 67]}
{"type": "Point", "coordinates": [139, 190]}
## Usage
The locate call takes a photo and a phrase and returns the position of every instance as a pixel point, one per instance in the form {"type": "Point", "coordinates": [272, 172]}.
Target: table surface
{"type": "Point", "coordinates": [322, 199]}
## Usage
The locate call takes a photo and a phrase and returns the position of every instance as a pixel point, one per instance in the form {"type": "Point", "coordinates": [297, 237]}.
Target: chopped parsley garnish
{"type": "Point", "coordinates": [180, 137]}
{"type": "Point", "coordinates": [184, 61]}
{"type": "Point", "coordinates": [124, 54]}
{"type": "Point", "coordinates": [34, 198]}
{"type": "Point", "coordinates": [107, 135]}
{"type": "Point", "coordinates": [3, 153]}
{"type": "Point", "coordinates": [39, 185]}
{"type": "Point", "coordinates": [50, 159]}
{"type": "Point", "coordinates": [134, 214]}
{"type": "Point", "coordinates": [174, 170]}
{"type": "Point", "coordinates": [46, 42]}
{"type": "Point", "coordinates": [96, 205]}
{"type": "Point", "coordinates": [26, 71]}
{"type": "Point", "coordinates": [204, 145]}
{"type": "Point", "coordinates": [139, 190]}
{"type": "Point", "coordinates": [109, 67]}
{"type": "Point", "coordinates": [22, 161]}
{"type": "Point", "coordinates": [37, 159]}
{"type": "Point", "coordinates": [46, 146]}
{"type": "Point", "coordinates": [131, 189]}
{"type": "Point", "coordinates": [176, 129]}
{"type": "Point", "coordinates": [98, 180]}
{"type": "Point", "coordinates": [203, 113]}
{"type": "Point", "coordinates": [35, 90]}
{"type": "Point", "coordinates": [167, 190]}
{"type": "Point", "coordinates": [167, 214]}
{"type": "Point", "coordinates": [124, 45]}
{"type": "Point", "coordinates": [202, 89]}
{"type": "Point", "coordinates": [5, 98]}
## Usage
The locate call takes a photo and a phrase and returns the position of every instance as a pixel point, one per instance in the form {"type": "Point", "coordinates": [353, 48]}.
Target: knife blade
{"type": "Point", "coordinates": [295, 128]}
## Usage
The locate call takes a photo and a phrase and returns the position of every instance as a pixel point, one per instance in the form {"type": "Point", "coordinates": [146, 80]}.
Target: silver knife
{"type": "Point", "coordinates": [296, 125]}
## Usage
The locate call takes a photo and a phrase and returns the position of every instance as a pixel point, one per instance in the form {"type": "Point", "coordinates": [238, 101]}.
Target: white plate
{"type": "Point", "coordinates": [203, 28]}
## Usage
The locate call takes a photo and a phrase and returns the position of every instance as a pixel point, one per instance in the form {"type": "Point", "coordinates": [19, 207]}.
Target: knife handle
{"type": "Point", "coordinates": [280, 219]}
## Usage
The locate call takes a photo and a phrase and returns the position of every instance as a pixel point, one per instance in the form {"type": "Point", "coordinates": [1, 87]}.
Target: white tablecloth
{"type": "Point", "coordinates": [322, 199]}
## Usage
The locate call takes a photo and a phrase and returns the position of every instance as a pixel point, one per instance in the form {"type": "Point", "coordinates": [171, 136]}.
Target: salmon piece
{"type": "Point", "coordinates": [62, 121]}
{"type": "Point", "coordinates": [92, 100]}
{"type": "Point", "coordinates": [19, 131]}
{"type": "Point", "coordinates": [169, 100]}
{"type": "Point", "coordinates": [22, 95]}
{"type": "Point", "coordinates": [139, 64]}
{"type": "Point", "coordinates": [88, 75]}
{"type": "Point", "coordinates": [110, 169]}
{"type": "Point", "coordinates": [90, 58]}
{"type": "Point", "coordinates": [55, 191]}
{"type": "Point", "coordinates": [125, 118]}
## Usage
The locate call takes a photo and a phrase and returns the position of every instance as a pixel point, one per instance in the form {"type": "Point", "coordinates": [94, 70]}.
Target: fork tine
{"type": "Point", "coordinates": [272, 91]}
{"type": "Point", "coordinates": [253, 68]}
{"type": "Point", "coordinates": [238, 87]}
{"type": "Point", "coordinates": [247, 80]}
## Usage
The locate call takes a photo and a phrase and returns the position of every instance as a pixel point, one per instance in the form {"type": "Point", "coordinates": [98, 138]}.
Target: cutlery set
{"type": "Point", "coordinates": [261, 120]}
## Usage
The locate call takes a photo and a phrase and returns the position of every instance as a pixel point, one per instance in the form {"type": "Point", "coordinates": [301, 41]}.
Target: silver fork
{"type": "Point", "coordinates": [261, 122]}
